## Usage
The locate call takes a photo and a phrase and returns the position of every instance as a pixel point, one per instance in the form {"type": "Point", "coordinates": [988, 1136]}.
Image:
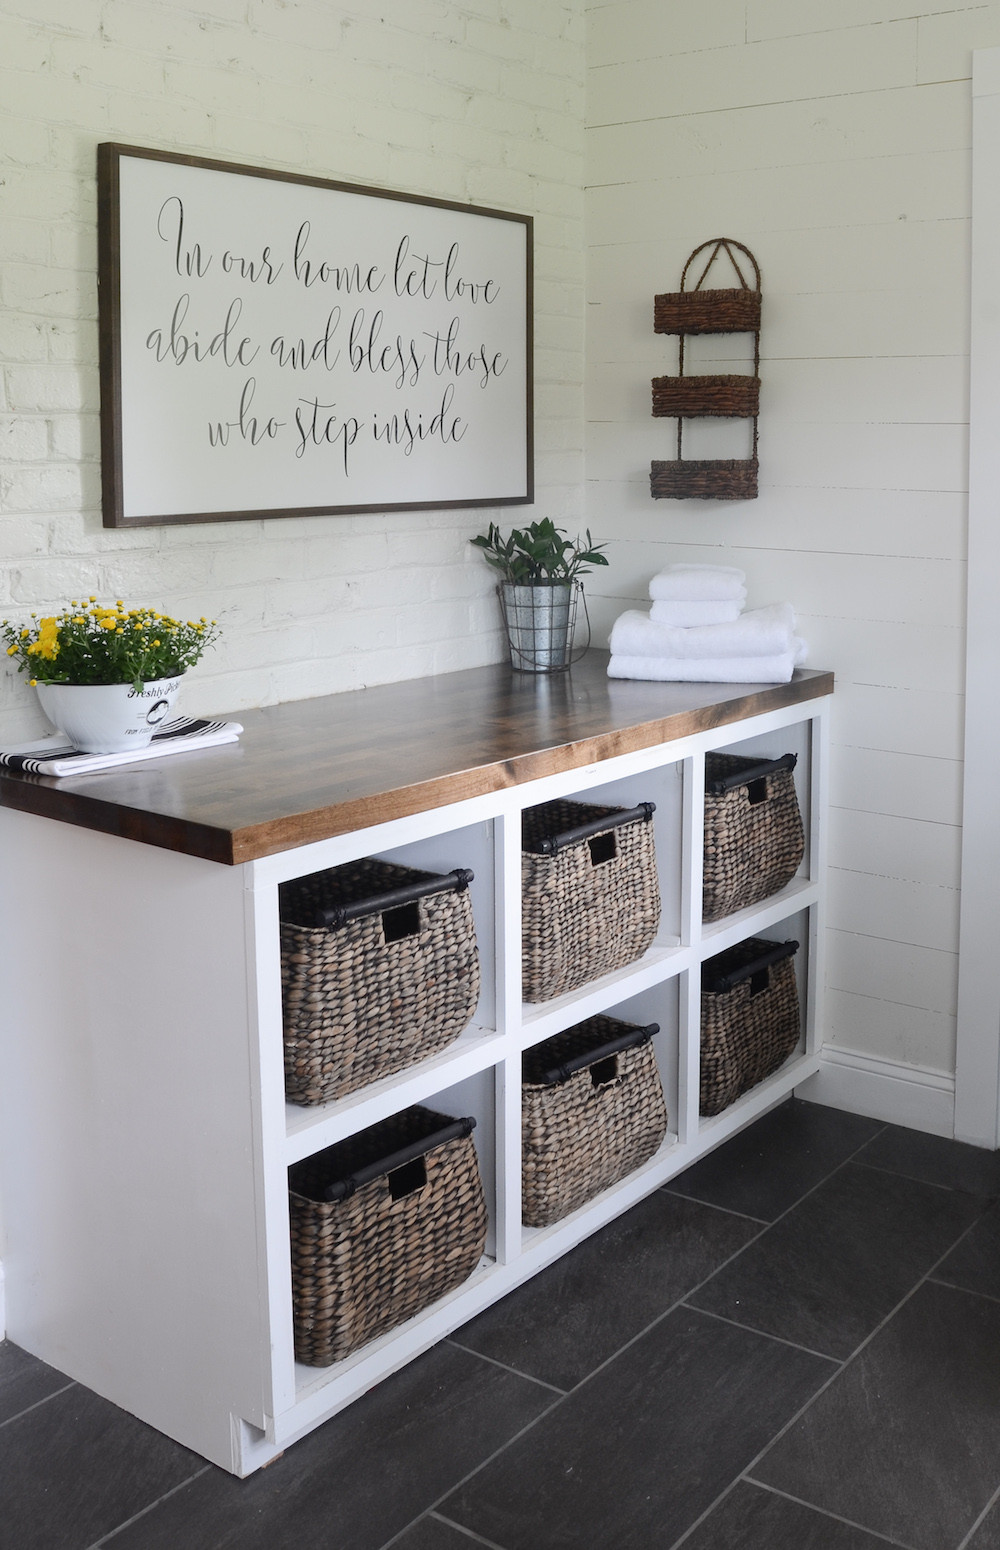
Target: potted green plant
{"type": "Point", "coordinates": [107, 676]}
{"type": "Point", "coordinates": [540, 569]}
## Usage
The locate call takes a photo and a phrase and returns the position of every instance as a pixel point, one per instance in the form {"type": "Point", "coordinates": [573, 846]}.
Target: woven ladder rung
{"type": "Point", "coordinates": [704, 479]}
{"type": "Point", "coordinates": [727, 397]}
{"type": "Point", "coordinates": [707, 312]}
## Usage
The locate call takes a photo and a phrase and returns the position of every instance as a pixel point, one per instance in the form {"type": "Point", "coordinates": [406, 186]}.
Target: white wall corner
{"type": "Point", "coordinates": [977, 1107]}
{"type": "Point", "coordinates": [985, 72]}
{"type": "Point", "coordinates": [888, 1090]}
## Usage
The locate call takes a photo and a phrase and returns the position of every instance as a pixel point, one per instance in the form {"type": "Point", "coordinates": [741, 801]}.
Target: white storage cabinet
{"type": "Point", "coordinates": [146, 1139]}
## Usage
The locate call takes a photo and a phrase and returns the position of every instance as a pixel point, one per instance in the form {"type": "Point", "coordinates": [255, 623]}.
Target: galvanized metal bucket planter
{"type": "Point", "coordinates": [540, 620]}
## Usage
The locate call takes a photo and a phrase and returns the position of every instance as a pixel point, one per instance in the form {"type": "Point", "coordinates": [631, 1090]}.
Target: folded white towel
{"type": "Point", "coordinates": [697, 583]}
{"type": "Point", "coordinates": [760, 632]}
{"type": "Point", "coordinates": [688, 614]}
{"type": "Point", "coordinates": [728, 670]}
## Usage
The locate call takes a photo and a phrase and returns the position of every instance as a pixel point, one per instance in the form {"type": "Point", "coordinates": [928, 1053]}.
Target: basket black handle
{"type": "Point", "coordinates": [342, 1189]}
{"type": "Point", "coordinates": [337, 915]}
{"type": "Point", "coordinates": [718, 984]}
{"type": "Point", "coordinates": [552, 844]}
{"type": "Point", "coordinates": [635, 1037]}
{"type": "Point", "coordinates": [752, 772]}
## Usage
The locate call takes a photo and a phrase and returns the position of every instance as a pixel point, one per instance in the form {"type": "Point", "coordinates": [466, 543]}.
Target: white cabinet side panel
{"type": "Point", "coordinates": [125, 1125]}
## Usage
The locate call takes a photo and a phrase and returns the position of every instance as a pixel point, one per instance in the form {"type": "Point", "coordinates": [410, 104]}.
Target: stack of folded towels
{"type": "Point", "coordinates": [697, 631]}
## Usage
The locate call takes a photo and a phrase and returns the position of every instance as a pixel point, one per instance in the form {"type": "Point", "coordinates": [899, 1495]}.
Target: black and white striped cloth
{"type": "Point", "coordinates": [54, 756]}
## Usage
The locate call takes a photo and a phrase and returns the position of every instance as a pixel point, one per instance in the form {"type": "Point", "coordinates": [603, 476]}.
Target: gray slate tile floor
{"type": "Point", "coordinates": [793, 1346]}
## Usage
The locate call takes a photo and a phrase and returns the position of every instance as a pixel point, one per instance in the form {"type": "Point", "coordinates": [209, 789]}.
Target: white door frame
{"type": "Point", "coordinates": [977, 1075]}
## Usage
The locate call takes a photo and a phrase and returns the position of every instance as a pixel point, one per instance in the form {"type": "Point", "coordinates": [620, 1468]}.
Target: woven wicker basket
{"type": "Point", "coordinates": [725, 397]}
{"type": "Point", "coordinates": [590, 896]}
{"type": "Point", "coordinates": [592, 1111]}
{"type": "Point", "coordinates": [379, 969]}
{"type": "Point", "coordinates": [704, 479]}
{"type": "Point", "coordinates": [749, 1019]}
{"type": "Point", "coordinates": [730, 311]}
{"type": "Point", "coordinates": [408, 1224]}
{"type": "Point", "coordinates": [754, 840]}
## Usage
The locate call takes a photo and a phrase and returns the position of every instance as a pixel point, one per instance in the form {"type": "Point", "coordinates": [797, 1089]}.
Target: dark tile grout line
{"type": "Point", "coordinates": [137, 1517]}
{"type": "Point", "coordinates": [914, 1178]}
{"type": "Point", "coordinates": [439, 1517]}
{"type": "Point", "coordinates": [766, 1334]}
{"type": "Point", "coordinates": [824, 1512]}
{"type": "Point", "coordinates": [953, 1286]}
{"type": "Point", "coordinates": [505, 1366]}
{"type": "Point", "coordinates": [71, 1384]}
{"type": "Point", "coordinates": [710, 1205]}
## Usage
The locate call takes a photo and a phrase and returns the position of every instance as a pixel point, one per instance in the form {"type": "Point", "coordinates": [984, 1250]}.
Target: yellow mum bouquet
{"type": "Point", "coordinates": [91, 644]}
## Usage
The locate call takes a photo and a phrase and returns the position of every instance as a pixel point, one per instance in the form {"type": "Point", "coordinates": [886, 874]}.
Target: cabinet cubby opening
{"type": "Point", "coordinates": [473, 1098]}
{"type": "Point", "coordinates": [552, 1127]}
{"type": "Point", "coordinates": [791, 928]}
{"type": "Point", "coordinates": [664, 788]}
{"type": "Point", "coordinates": [796, 739]}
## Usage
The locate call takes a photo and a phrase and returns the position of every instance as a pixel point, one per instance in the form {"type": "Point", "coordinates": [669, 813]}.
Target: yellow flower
{"type": "Point", "coordinates": [47, 644]}
{"type": "Point", "coordinates": [33, 683]}
{"type": "Point", "coordinates": [11, 651]}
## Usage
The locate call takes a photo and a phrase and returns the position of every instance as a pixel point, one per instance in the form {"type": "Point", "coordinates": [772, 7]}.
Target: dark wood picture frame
{"type": "Point", "coordinates": [274, 344]}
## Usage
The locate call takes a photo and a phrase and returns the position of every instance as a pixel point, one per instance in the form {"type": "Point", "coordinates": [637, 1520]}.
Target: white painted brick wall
{"type": "Point", "coordinates": [835, 142]}
{"type": "Point", "coordinates": [470, 100]}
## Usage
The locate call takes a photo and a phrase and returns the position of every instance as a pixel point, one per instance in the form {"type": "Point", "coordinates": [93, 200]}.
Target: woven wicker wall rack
{"type": "Point", "coordinates": [695, 309]}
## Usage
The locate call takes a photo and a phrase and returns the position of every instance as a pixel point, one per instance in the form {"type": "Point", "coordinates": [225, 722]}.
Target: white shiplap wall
{"type": "Point", "coordinates": [835, 143]}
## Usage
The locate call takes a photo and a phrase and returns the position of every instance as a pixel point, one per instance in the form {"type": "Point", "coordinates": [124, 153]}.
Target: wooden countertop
{"type": "Point", "coordinates": [309, 769]}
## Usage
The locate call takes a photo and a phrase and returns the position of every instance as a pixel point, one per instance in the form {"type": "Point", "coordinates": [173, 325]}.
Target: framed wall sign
{"type": "Point", "coordinates": [280, 345]}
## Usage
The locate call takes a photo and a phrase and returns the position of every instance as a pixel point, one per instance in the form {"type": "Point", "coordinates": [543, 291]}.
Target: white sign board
{"type": "Point", "coordinates": [277, 345]}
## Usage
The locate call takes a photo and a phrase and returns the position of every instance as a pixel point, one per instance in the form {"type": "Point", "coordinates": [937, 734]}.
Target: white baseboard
{"type": "Point", "coordinates": [883, 1089]}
